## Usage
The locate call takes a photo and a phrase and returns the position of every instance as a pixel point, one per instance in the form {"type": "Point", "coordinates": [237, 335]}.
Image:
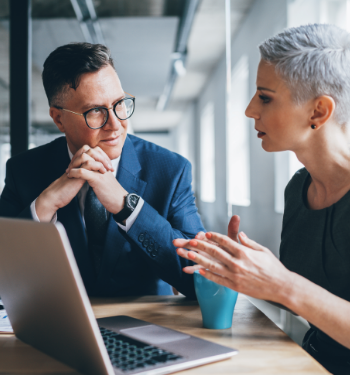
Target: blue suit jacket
{"type": "Point", "coordinates": [130, 265]}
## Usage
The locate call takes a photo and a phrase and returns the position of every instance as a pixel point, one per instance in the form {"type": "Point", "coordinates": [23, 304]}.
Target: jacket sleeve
{"type": "Point", "coordinates": [11, 204]}
{"type": "Point", "coordinates": [153, 234]}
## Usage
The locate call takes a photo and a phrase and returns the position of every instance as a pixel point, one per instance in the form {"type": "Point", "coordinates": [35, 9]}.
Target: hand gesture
{"type": "Point", "coordinates": [94, 166]}
{"type": "Point", "coordinates": [64, 189]}
{"type": "Point", "coordinates": [232, 232]}
{"type": "Point", "coordinates": [248, 267]}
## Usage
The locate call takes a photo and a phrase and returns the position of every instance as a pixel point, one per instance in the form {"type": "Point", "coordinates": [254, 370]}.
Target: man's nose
{"type": "Point", "coordinates": [251, 111]}
{"type": "Point", "coordinates": [113, 121]}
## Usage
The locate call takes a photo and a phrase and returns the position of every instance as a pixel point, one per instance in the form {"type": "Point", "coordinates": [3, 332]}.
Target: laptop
{"type": "Point", "coordinates": [48, 307]}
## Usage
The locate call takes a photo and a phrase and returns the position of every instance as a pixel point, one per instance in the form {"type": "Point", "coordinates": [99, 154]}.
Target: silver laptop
{"type": "Point", "coordinates": [48, 307]}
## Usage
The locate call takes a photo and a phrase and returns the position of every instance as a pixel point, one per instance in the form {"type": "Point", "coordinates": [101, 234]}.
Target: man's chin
{"type": "Point", "coordinates": [112, 152]}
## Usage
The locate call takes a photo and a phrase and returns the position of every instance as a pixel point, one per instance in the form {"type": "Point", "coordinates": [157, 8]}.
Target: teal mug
{"type": "Point", "coordinates": [217, 302]}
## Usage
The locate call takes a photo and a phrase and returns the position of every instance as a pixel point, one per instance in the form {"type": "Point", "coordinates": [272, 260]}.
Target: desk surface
{"type": "Point", "coordinates": [263, 347]}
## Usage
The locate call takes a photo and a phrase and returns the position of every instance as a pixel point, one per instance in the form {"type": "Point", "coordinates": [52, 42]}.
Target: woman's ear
{"type": "Point", "coordinates": [56, 116]}
{"type": "Point", "coordinates": [324, 107]}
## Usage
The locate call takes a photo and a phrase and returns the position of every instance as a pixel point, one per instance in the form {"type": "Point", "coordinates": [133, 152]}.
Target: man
{"type": "Point", "coordinates": [122, 200]}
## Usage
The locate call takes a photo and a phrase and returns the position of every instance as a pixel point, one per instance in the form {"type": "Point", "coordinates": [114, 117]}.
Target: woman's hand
{"type": "Point", "coordinates": [248, 268]}
{"type": "Point", "coordinates": [232, 232]}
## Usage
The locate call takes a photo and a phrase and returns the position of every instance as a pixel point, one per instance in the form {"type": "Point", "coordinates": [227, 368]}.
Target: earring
{"type": "Point", "coordinates": [313, 126]}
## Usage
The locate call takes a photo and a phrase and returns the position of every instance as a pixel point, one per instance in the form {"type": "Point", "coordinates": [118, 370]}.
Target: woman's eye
{"type": "Point", "coordinates": [265, 99]}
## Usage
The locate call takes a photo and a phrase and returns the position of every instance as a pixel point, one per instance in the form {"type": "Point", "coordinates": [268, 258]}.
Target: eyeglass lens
{"type": "Point", "coordinates": [97, 117]}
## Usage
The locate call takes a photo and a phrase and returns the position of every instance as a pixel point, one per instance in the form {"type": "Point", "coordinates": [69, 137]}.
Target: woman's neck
{"type": "Point", "coordinates": [326, 156]}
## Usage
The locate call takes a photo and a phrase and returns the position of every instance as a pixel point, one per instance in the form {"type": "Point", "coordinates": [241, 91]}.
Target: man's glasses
{"type": "Point", "coordinates": [97, 117]}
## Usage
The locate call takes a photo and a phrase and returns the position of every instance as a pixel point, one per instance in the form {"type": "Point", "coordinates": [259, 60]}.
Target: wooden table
{"type": "Point", "coordinates": [263, 347]}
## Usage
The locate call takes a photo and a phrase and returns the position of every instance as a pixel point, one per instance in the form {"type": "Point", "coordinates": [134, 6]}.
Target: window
{"type": "Point", "coordinates": [207, 150]}
{"type": "Point", "coordinates": [237, 131]}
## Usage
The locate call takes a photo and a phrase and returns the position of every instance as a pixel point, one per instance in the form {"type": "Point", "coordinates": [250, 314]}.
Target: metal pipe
{"type": "Point", "coordinates": [178, 58]}
{"type": "Point", "coordinates": [20, 74]}
{"type": "Point", "coordinates": [86, 15]}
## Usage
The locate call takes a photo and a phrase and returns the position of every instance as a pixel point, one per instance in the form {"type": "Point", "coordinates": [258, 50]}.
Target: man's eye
{"type": "Point", "coordinates": [96, 110]}
{"type": "Point", "coordinates": [264, 98]}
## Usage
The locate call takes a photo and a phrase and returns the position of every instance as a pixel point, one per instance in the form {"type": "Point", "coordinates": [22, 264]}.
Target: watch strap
{"type": "Point", "coordinates": [122, 215]}
{"type": "Point", "coordinates": [125, 212]}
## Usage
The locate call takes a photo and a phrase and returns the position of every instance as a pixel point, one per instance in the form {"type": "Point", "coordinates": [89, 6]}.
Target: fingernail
{"type": "Point", "coordinates": [243, 235]}
{"type": "Point", "coordinates": [202, 272]}
{"type": "Point", "coordinates": [193, 243]}
{"type": "Point", "coordinates": [191, 255]}
{"type": "Point", "coordinates": [208, 235]}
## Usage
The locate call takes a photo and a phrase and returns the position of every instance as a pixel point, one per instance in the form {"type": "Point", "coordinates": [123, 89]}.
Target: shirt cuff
{"type": "Point", "coordinates": [35, 216]}
{"type": "Point", "coordinates": [132, 218]}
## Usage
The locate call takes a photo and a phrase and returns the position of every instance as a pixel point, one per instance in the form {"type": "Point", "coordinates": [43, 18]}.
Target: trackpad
{"type": "Point", "coordinates": [155, 335]}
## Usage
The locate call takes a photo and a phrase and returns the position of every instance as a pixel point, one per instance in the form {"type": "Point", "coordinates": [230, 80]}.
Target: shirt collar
{"type": "Point", "coordinates": [115, 162]}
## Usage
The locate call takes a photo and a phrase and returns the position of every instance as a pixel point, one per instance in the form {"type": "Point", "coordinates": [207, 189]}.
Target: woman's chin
{"type": "Point", "coordinates": [268, 147]}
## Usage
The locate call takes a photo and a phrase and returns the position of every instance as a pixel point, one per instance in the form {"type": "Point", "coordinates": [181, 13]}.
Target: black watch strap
{"type": "Point", "coordinates": [130, 203]}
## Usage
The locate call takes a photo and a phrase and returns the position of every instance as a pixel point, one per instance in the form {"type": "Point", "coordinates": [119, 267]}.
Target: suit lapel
{"type": "Point", "coordinates": [128, 170]}
{"type": "Point", "coordinates": [116, 243]}
{"type": "Point", "coordinates": [71, 219]}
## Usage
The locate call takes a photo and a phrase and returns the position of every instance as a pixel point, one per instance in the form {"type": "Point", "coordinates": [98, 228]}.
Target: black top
{"type": "Point", "coordinates": [316, 244]}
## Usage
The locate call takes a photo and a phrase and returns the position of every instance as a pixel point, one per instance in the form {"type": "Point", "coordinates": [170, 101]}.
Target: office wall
{"type": "Point", "coordinates": [259, 220]}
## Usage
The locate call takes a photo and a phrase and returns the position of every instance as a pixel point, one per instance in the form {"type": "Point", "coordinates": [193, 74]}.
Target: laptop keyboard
{"type": "Point", "coordinates": [128, 354]}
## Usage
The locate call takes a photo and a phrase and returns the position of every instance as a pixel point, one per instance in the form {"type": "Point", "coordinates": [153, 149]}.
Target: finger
{"type": "Point", "coordinates": [226, 243]}
{"type": "Point", "coordinates": [212, 250]}
{"type": "Point", "coordinates": [182, 253]}
{"type": "Point", "coordinates": [250, 243]}
{"type": "Point", "coordinates": [79, 158]}
{"type": "Point", "coordinates": [93, 165]}
{"type": "Point", "coordinates": [99, 155]}
{"type": "Point", "coordinates": [180, 242]}
{"type": "Point", "coordinates": [233, 227]}
{"type": "Point", "coordinates": [192, 269]}
{"type": "Point", "coordinates": [200, 236]}
{"type": "Point", "coordinates": [81, 151]}
{"type": "Point", "coordinates": [212, 265]}
{"type": "Point", "coordinates": [82, 173]}
{"type": "Point", "coordinates": [218, 279]}
{"type": "Point", "coordinates": [79, 161]}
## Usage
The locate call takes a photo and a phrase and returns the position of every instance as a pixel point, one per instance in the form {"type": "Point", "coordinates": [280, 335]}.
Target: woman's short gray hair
{"type": "Point", "coordinates": [314, 60]}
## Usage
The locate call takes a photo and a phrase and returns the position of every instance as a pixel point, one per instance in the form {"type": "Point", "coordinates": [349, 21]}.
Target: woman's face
{"type": "Point", "coordinates": [281, 124]}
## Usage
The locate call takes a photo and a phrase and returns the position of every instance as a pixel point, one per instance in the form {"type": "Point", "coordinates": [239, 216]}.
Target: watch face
{"type": "Point", "coordinates": [133, 200]}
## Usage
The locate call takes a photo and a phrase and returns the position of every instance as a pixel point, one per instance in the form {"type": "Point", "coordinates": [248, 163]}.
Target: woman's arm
{"type": "Point", "coordinates": [252, 269]}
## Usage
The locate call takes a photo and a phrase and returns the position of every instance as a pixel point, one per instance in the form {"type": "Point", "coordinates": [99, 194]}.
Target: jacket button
{"type": "Point", "coordinates": [141, 237]}
{"type": "Point", "coordinates": [145, 243]}
{"type": "Point", "coordinates": [154, 253]}
{"type": "Point", "coordinates": [150, 246]}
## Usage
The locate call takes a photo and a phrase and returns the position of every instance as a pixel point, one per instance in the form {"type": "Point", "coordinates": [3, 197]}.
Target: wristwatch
{"type": "Point", "coordinates": [130, 203]}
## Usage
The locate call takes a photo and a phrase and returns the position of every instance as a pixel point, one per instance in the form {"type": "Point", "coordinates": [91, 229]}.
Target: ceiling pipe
{"type": "Point", "coordinates": [178, 58]}
{"type": "Point", "coordinates": [86, 15]}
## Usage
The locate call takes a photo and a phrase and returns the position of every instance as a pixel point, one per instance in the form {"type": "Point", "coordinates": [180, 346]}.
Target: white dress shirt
{"type": "Point", "coordinates": [81, 199]}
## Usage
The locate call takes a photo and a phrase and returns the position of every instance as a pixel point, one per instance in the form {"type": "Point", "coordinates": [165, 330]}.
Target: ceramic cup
{"type": "Point", "coordinates": [217, 302]}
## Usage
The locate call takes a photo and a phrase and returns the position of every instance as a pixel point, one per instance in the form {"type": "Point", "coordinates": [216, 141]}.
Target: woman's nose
{"type": "Point", "coordinates": [251, 110]}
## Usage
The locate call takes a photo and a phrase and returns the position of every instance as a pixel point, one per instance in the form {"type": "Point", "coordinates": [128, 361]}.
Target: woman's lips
{"type": "Point", "coordinates": [111, 141]}
{"type": "Point", "coordinates": [261, 134]}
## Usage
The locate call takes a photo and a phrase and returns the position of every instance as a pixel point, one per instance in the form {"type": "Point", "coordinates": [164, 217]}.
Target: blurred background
{"type": "Point", "coordinates": [192, 71]}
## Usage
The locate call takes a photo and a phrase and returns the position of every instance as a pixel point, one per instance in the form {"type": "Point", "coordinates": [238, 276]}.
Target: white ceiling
{"type": "Point", "coordinates": [141, 48]}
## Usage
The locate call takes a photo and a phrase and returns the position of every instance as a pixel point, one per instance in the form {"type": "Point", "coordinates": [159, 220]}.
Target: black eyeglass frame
{"type": "Point", "coordinates": [107, 109]}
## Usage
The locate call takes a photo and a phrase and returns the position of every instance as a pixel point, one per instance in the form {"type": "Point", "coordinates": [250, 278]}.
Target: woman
{"type": "Point", "coordinates": [302, 104]}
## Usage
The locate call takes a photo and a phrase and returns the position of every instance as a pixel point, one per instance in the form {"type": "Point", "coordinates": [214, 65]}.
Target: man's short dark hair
{"type": "Point", "coordinates": [66, 64]}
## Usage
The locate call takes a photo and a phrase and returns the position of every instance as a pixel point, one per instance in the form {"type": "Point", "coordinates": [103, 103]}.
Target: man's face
{"type": "Point", "coordinates": [98, 89]}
